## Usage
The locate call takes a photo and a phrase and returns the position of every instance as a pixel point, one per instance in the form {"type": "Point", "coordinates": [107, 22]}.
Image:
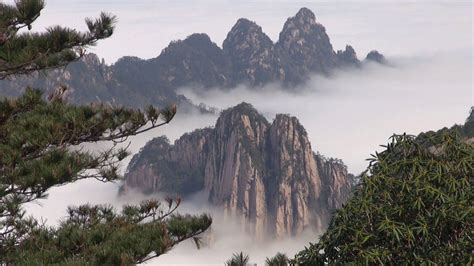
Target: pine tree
{"type": "Point", "coordinates": [40, 147]}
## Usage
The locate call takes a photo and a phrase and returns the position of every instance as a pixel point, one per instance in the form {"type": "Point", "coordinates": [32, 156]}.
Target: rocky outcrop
{"type": "Point", "coordinates": [195, 61]}
{"type": "Point", "coordinates": [265, 173]}
{"type": "Point", "coordinates": [248, 56]}
{"type": "Point", "coordinates": [348, 57]}
{"type": "Point", "coordinates": [252, 54]}
{"type": "Point", "coordinates": [305, 47]}
{"type": "Point", "coordinates": [177, 169]}
{"type": "Point", "coordinates": [376, 57]}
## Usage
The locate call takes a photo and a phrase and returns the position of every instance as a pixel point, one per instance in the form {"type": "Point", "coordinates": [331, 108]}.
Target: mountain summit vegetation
{"type": "Point", "coordinates": [413, 206]}
{"type": "Point", "coordinates": [41, 146]}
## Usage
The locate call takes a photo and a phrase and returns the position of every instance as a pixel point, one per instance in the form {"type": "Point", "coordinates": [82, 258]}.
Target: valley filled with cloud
{"type": "Point", "coordinates": [427, 85]}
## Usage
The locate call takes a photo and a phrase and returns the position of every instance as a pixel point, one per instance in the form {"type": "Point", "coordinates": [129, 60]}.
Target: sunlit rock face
{"type": "Point", "coordinates": [248, 56]}
{"type": "Point", "coordinates": [264, 173]}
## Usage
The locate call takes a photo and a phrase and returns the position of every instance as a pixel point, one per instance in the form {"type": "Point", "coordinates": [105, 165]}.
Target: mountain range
{"type": "Point", "coordinates": [265, 174]}
{"type": "Point", "coordinates": [248, 56]}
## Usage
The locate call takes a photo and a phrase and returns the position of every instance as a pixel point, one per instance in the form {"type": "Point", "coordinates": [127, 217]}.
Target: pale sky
{"type": "Point", "coordinates": [145, 27]}
{"type": "Point", "coordinates": [348, 116]}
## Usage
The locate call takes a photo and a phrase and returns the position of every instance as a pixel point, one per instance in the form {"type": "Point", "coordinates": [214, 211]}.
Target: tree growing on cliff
{"type": "Point", "coordinates": [414, 206]}
{"type": "Point", "coordinates": [41, 147]}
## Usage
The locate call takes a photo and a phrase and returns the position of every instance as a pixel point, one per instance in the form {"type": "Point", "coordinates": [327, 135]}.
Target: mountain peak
{"type": "Point", "coordinates": [198, 38]}
{"type": "Point", "coordinates": [244, 29]}
{"type": "Point", "coordinates": [305, 15]}
{"type": "Point", "coordinates": [375, 56]}
{"type": "Point", "coordinates": [307, 44]}
{"type": "Point", "coordinates": [249, 168]}
{"type": "Point", "coordinates": [252, 53]}
{"type": "Point", "coordinates": [348, 56]}
{"type": "Point", "coordinates": [247, 57]}
{"type": "Point", "coordinates": [241, 108]}
{"type": "Point", "coordinates": [244, 24]}
{"type": "Point", "coordinates": [235, 114]}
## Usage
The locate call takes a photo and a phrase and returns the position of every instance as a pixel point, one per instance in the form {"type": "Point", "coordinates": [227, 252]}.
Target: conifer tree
{"type": "Point", "coordinates": [41, 147]}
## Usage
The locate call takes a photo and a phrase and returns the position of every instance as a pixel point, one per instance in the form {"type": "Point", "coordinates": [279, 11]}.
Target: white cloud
{"type": "Point", "coordinates": [145, 27]}
{"type": "Point", "coordinates": [346, 116]}
{"type": "Point", "coordinates": [350, 114]}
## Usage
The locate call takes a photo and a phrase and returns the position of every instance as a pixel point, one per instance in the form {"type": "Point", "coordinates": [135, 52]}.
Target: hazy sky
{"type": "Point", "coordinates": [428, 86]}
{"type": "Point", "coordinates": [145, 27]}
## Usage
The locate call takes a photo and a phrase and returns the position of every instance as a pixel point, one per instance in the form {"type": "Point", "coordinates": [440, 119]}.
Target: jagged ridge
{"type": "Point", "coordinates": [264, 172]}
{"type": "Point", "coordinates": [247, 56]}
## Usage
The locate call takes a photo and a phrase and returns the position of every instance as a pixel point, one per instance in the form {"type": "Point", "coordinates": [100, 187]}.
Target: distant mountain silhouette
{"type": "Point", "coordinates": [248, 56]}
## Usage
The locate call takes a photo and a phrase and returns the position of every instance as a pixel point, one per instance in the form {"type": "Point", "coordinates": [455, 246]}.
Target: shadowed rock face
{"type": "Point", "coordinates": [248, 56]}
{"type": "Point", "coordinates": [376, 57]}
{"type": "Point", "coordinates": [305, 47]}
{"type": "Point", "coordinates": [194, 61]}
{"type": "Point", "coordinates": [266, 174]}
{"type": "Point", "coordinates": [348, 56]}
{"type": "Point", "coordinates": [252, 54]}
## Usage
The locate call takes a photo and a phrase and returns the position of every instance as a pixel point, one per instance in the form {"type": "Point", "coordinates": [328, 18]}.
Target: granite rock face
{"type": "Point", "coordinates": [305, 47]}
{"type": "Point", "coordinates": [265, 173]}
{"type": "Point", "coordinates": [252, 53]}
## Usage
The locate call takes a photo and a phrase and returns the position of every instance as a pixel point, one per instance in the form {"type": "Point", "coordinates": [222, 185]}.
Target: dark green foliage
{"type": "Point", "coordinates": [238, 259]}
{"type": "Point", "coordinates": [466, 131]}
{"type": "Point", "coordinates": [99, 235]}
{"type": "Point", "coordinates": [413, 206]}
{"type": "Point", "coordinates": [26, 52]}
{"type": "Point", "coordinates": [280, 259]}
{"type": "Point", "coordinates": [42, 145]}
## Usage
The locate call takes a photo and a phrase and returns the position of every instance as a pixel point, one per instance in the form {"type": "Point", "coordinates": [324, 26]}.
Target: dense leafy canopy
{"type": "Point", "coordinates": [42, 145]}
{"type": "Point", "coordinates": [279, 259]}
{"type": "Point", "coordinates": [413, 206]}
{"type": "Point", "coordinates": [238, 259]}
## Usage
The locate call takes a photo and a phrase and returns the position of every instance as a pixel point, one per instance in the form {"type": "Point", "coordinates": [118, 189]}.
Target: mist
{"type": "Point", "coordinates": [351, 113]}
{"type": "Point", "coordinates": [395, 27]}
{"type": "Point", "coordinates": [427, 86]}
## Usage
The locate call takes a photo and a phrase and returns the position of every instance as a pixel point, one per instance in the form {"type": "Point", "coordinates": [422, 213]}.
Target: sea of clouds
{"type": "Point", "coordinates": [428, 85]}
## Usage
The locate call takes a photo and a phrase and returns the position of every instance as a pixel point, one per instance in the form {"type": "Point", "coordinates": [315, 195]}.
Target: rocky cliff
{"type": "Point", "coordinates": [248, 56]}
{"type": "Point", "coordinates": [265, 173]}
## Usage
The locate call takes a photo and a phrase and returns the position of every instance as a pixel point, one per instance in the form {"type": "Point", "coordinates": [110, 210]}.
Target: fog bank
{"type": "Point", "coordinates": [428, 86]}
{"type": "Point", "coordinates": [351, 113]}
